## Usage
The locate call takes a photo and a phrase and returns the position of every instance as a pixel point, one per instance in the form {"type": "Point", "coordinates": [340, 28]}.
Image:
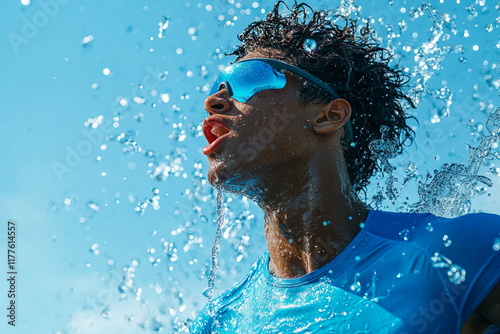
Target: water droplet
{"type": "Point", "coordinates": [92, 206]}
{"type": "Point", "coordinates": [456, 274]}
{"type": "Point", "coordinates": [94, 249]}
{"type": "Point", "coordinates": [310, 45]}
{"type": "Point", "coordinates": [496, 244]}
{"type": "Point", "coordinates": [446, 241]}
{"type": "Point", "coordinates": [429, 227]}
{"type": "Point", "coordinates": [356, 287]}
{"type": "Point", "coordinates": [404, 234]}
{"type": "Point", "coordinates": [163, 25]}
{"type": "Point", "coordinates": [53, 206]}
{"type": "Point", "coordinates": [165, 97]}
{"type": "Point", "coordinates": [87, 40]}
{"type": "Point", "coordinates": [106, 313]}
{"type": "Point", "coordinates": [215, 250]}
{"type": "Point", "coordinates": [440, 261]}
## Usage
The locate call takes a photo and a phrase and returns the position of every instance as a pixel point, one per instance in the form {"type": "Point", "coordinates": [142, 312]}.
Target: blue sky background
{"type": "Point", "coordinates": [88, 261]}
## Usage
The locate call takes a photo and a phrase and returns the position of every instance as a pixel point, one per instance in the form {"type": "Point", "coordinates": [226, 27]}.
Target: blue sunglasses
{"type": "Point", "coordinates": [248, 77]}
{"type": "Point", "coordinates": [245, 78]}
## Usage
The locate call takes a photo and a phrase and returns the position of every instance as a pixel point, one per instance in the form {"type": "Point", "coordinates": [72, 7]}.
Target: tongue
{"type": "Point", "coordinates": [218, 130]}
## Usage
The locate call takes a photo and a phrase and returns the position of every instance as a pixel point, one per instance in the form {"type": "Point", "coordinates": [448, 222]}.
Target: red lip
{"type": "Point", "coordinates": [215, 131]}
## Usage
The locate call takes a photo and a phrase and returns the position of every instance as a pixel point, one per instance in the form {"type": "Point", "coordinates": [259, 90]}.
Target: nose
{"type": "Point", "coordinates": [218, 103]}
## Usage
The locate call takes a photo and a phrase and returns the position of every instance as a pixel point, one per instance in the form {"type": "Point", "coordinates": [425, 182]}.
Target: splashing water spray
{"type": "Point", "coordinates": [384, 149]}
{"type": "Point", "coordinates": [448, 194]}
{"type": "Point", "coordinates": [215, 250]}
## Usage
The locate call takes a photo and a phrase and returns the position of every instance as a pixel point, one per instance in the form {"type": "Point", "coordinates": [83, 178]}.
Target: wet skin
{"type": "Point", "coordinates": [288, 158]}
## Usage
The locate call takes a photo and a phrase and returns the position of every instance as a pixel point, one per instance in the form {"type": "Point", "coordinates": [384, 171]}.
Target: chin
{"type": "Point", "coordinates": [231, 178]}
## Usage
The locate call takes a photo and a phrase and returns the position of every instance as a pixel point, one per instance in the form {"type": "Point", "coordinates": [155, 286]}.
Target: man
{"type": "Point", "coordinates": [290, 126]}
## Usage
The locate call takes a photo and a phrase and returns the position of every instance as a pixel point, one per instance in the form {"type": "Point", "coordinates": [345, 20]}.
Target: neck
{"type": "Point", "coordinates": [309, 221]}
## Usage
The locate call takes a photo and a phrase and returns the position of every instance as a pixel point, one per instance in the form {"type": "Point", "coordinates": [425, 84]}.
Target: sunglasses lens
{"type": "Point", "coordinates": [249, 77]}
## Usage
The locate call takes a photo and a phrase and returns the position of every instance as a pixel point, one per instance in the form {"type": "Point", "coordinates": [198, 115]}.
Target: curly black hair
{"type": "Point", "coordinates": [353, 64]}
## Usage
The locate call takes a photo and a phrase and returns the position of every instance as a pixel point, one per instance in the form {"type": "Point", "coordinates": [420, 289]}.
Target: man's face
{"type": "Point", "coordinates": [249, 140]}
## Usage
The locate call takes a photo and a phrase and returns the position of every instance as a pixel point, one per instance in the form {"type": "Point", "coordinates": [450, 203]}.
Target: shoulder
{"type": "Point", "coordinates": [478, 232]}
{"type": "Point", "coordinates": [421, 227]}
{"type": "Point", "coordinates": [463, 251]}
{"type": "Point", "coordinates": [473, 240]}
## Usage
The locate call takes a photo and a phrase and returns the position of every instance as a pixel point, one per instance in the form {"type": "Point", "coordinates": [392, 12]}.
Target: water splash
{"type": "Point", "coordinates": [446, 241]}
{"type": "Point", "coordinates": [128, 140]}
{"type": "Point", "coordinates": [162, 167]}
{"type": "Point", "coordinates": [356, 285]}
{"type": "Point", "coordinates": [404, 234]}
{"type": "Point", "coordinates": [456, 274]}
{"type": "Point", "coordinates": [215, 250]}
{"type": "Point", "coordinates": [382, 150]}
{"type": "Point", "coordinates": [348, 8]}
{"type": "Point", "coordinates": [450, 191]}
{"type": "Point", "coordinates": [163, 25]}
{"type": "Point", "coordinates": [127, 284]}
{"type": "Point", "coordinates": [153, 202]}
{"type": "Point", "coordinates": [431, 53]}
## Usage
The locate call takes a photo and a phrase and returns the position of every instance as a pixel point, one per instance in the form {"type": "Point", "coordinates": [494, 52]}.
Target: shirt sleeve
{"type": "Point", "coordinates": [477, 238]}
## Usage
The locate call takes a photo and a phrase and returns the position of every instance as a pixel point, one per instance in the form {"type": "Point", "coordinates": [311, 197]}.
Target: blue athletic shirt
{"type": "Point", "coordinates": [401, 274]}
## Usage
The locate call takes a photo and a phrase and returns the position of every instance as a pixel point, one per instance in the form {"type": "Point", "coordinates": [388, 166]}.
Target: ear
{"type": "Point", "coordinates": [332, 116]}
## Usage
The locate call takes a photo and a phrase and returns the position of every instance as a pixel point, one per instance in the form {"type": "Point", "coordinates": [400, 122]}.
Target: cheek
{"type": "Point", "coordinates": [275, 126]}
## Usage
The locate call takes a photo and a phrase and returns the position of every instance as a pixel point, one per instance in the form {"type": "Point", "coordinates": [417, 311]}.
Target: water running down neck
{"type": "Point", "coordinates": [215, 249]}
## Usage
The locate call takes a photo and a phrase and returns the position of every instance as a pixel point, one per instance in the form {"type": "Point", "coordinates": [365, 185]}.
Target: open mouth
{"type": "Point", "coordinates": [214, 132]}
